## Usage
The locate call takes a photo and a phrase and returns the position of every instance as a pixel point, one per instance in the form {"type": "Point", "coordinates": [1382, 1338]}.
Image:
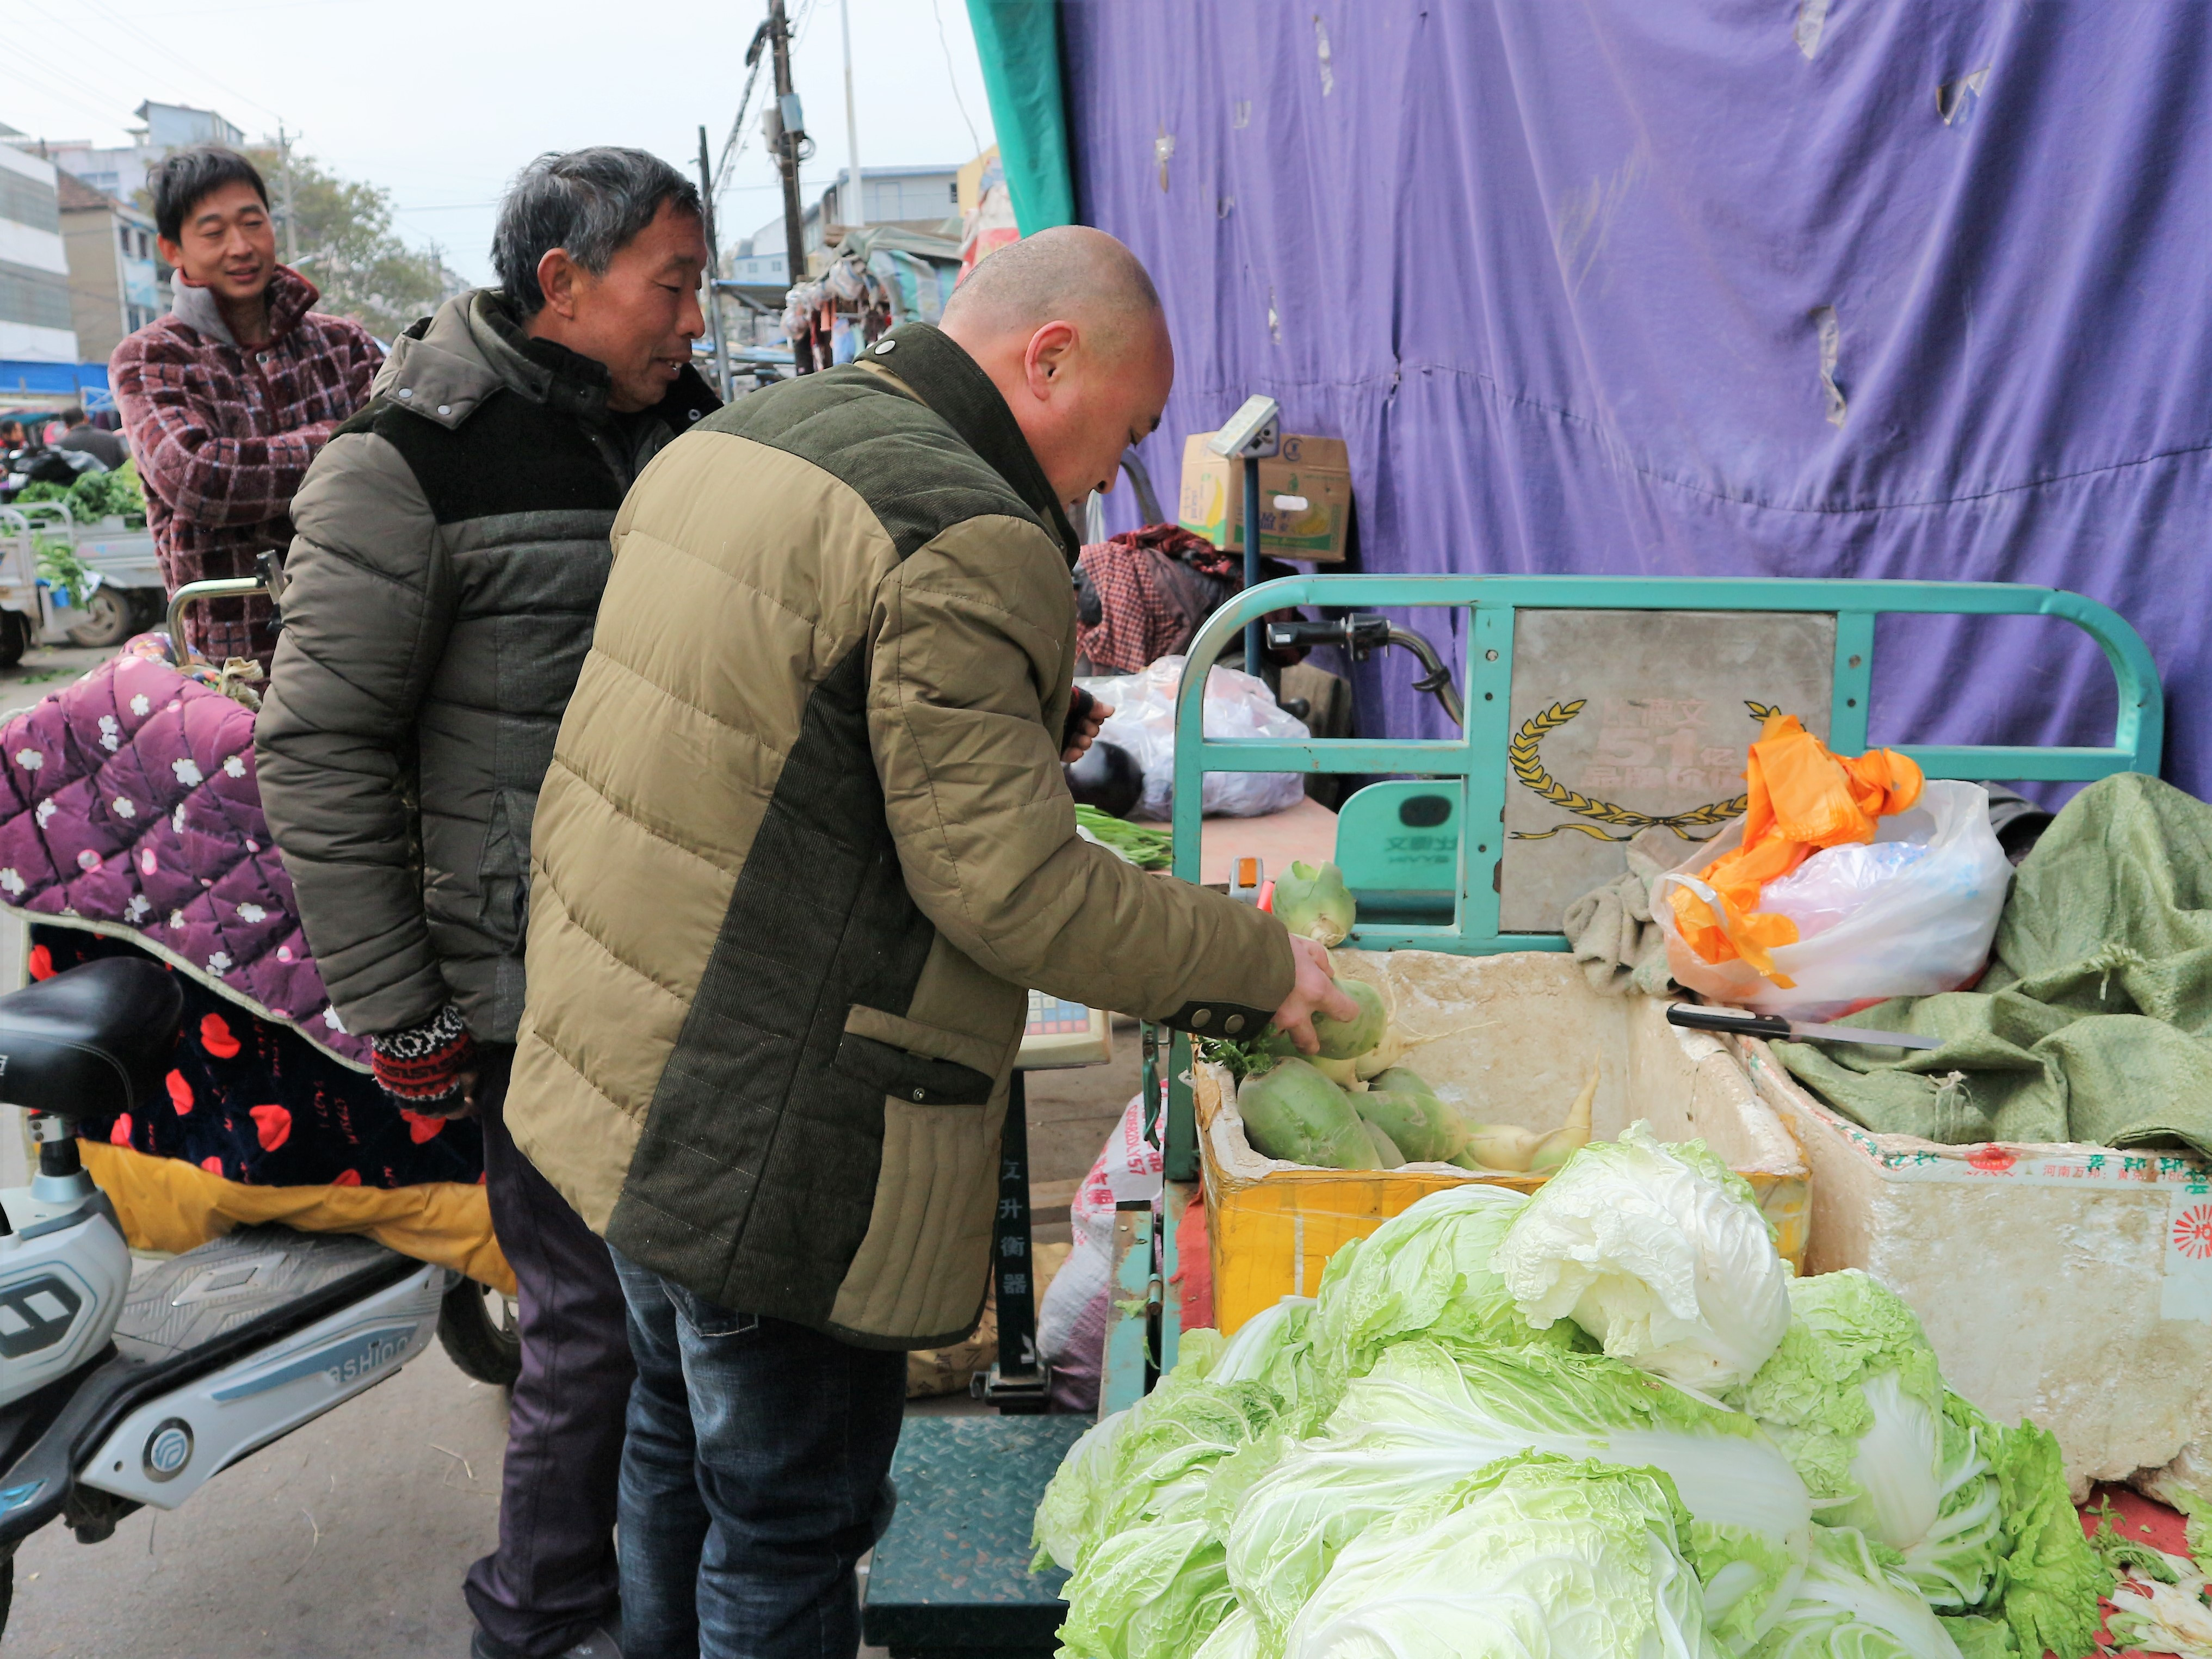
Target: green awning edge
{"type": "Point", "coordinates": [1019, 44]}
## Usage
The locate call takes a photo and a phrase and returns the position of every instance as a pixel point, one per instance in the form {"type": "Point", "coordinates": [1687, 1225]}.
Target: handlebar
{"type": "Point", "coordinates": [1362, 633]}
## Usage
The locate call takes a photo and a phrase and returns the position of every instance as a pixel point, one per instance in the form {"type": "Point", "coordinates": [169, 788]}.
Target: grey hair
{"type": "Point", "coordinates": [589, 203]}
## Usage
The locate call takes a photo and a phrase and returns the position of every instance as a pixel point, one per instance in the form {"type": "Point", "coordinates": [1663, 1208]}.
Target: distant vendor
{"type": "Point", "coordinates": [228, 398]}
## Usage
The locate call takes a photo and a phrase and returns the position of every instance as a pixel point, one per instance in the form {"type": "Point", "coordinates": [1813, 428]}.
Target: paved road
{"type": "Point", "coordinates": [344, 1540]}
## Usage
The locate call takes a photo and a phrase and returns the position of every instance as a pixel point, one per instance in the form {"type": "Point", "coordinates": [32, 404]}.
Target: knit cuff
{"type": "Point", "coordinates": [424, 1062]}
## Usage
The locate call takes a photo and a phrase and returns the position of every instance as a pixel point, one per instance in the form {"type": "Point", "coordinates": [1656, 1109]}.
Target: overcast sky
{"type": "Point", "coordinates": [440, 102]}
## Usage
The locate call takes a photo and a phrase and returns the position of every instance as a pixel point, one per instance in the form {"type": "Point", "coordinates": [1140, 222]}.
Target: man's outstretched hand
{"type": "Point", "coordinates": [1314, 990]}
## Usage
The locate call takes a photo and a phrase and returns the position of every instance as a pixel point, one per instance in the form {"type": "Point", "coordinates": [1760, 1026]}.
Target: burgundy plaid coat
{"type": "Point", "coordinates": [224, 435]}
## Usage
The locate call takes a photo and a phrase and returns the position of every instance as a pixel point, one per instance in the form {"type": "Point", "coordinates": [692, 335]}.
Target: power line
{"type": "Point", "coordinates": [952, 75]}
{"type": "Point", "coordinates": [171, 53]}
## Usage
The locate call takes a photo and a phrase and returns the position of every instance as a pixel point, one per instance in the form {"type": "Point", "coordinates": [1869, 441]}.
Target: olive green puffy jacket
{"type": "Point", "coordinates": [805, 844]}
{"type": "Point", "coordinates": [438, 603]}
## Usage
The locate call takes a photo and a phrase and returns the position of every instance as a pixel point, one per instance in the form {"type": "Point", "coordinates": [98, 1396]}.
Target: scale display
{"type": "Point", "coordinates": [1061, 1033]}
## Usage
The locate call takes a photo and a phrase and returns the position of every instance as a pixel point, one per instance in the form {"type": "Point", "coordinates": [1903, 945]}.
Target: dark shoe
{"type": "Point", "coordinates": [604, 1643]}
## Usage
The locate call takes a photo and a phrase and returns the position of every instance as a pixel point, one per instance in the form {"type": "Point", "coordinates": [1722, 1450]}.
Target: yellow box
{"type": "Point", "coordinates": [1316, 471]}
{"type": "Point", "coordinates": [1508, 1039]}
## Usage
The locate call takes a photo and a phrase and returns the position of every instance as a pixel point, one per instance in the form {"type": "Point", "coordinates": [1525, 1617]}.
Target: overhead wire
{"type": "Point", "coordinates": [952, 75]}
{"type": "Point", "coordinates": [100, 8]}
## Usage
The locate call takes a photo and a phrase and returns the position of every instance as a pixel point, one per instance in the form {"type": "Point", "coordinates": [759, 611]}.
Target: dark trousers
{"type": "Point", "coordinates": [755, 1476]}
{"type": "Point", "coordinates": [553, 1577]}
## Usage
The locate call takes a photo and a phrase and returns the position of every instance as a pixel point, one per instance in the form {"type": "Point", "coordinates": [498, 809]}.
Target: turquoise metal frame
{"type": "Point", "coordinates": [1477, 757]}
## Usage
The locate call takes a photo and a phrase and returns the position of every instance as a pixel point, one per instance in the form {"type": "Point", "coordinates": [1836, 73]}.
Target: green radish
{"type": "Point", "coordinates": [1292, 1113]}
{"type": "Point", "coordinates": [1338, 1072]}
{"type": "Point", "coordinates": [1385, 1148]}
{"type": "Point", "coordinates": [1571, 1136]}
{"type": "Point", "coordinates": [1383, 1056]}
{"type": "Point", "coordinates": [1403, 1106]}
{"type": "Point", "coordinates": [1348, 1039]}
{"type": "Point", "coordinates": [1314, 902]}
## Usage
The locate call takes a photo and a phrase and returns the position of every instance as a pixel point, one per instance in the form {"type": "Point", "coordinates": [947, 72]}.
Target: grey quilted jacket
{"type": "Point", "coordinates": [439, 601]}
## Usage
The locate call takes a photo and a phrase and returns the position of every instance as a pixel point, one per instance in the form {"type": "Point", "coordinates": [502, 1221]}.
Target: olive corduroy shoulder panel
{"type": "Point", "coordinates": [915, 472]}
{"type": "Point", "coordinates": [511, 455]}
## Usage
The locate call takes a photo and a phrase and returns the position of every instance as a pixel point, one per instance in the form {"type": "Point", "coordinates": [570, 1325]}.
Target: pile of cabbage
{"type": "Point", "coordinates": [1602, 1420]}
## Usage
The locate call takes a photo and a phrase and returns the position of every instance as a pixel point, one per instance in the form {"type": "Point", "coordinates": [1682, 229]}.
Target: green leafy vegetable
{"type": "Point", "coordinates": [1144, 846]}
{"type": "Point", "coordinates": [2135, 1557]}
{"type": "Point", "coordinates": [1978, 1637]}
{"type": "Point", "coordinates": [1853, 1603]}
{"type": "Point", "coordinates": [1425, 1274]}
{"type": "Point", "coordinates": [1658, 1251]}
{"type": "Point", "coordinates": [1535, 1555]}
{"type": "Point", "coordinates": [1156, 1592]}
{"type": "Point", "coordinates": [1426, 1415]}
{"type": "Point", "coordinates": [2053, 1577]}
{"type": "Point", "coordinates": [1853, 1394]}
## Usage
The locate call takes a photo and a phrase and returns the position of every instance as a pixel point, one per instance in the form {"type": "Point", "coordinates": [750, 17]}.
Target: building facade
{"type": "Point", "coordinates": [121, 171]}
{"type": "Point", "coordinates": [920, 199]}
{"type": "Point", "coordinates": [116, 280]}
{"type": "Point", "coordinates": [36, 323]}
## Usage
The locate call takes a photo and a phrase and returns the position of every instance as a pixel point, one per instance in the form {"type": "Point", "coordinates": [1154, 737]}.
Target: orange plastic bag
{"type": "Point", "coordinates": [1803, 798]}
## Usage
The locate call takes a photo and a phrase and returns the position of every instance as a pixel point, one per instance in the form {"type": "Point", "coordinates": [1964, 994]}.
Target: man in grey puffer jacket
{"type": "Point", "coordinates": [438, 603]}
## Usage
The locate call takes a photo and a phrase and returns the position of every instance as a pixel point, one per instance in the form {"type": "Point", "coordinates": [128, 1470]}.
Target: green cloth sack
{"type": "Point", "coordinates": [2094, 1023]}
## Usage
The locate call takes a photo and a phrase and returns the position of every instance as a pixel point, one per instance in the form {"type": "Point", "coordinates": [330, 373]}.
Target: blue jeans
{"type": "Point", "coordinates": [756, 1474]}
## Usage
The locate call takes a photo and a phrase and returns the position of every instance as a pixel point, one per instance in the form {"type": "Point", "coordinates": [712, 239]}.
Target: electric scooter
{"type": "Point", "coordinates": [124, 1384]}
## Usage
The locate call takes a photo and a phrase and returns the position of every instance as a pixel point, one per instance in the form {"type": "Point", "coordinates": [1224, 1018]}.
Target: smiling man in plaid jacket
{"type": "Point", "coordinates": [229, 397]}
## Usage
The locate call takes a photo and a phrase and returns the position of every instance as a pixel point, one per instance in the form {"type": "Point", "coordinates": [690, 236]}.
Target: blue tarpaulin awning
{"type": "Point", "coordinates": [87, 382]}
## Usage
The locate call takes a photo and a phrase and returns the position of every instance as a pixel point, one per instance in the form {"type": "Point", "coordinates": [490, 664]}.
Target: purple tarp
{"type": "Point", "coordinates": [1797, 288]}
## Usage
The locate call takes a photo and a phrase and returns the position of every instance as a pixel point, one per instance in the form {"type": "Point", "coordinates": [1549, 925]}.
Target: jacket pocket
{"type": "Point", "coordinates": [925, 1065]}
{"type": "Point", "coordinates": [503, 870]}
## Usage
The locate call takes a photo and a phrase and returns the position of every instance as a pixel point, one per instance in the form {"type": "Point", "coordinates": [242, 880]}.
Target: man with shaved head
{"type": "Point", "coordinates": [805, 848]}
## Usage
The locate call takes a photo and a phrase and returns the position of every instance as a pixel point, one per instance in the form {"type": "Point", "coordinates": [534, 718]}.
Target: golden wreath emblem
{"type": "Point", "coordinates": [1528, 764]}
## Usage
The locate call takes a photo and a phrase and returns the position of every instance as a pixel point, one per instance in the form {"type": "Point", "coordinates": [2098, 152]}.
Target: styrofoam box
{"type": "Point", "coordinates": [2068, 1283]}
{"type": "Point", "coordinates": [1507, 1039]}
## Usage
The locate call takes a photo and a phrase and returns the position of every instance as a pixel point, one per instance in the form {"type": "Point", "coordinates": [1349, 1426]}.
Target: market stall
{"type": "Point", "coordinates": [1258, 1215]}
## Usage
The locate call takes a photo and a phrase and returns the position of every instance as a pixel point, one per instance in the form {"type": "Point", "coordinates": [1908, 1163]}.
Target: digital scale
{"type": "Point", "coordinates": [1061, 1033]}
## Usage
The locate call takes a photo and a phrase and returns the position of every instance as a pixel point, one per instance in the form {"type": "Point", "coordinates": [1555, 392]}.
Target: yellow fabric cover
{"type": "Point", "coordinates": [166, 1204]}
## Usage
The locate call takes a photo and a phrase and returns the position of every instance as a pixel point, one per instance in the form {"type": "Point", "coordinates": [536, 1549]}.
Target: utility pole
{"type": "Point", "coordinates": [291, 221]}
{"type": "Point", "coordinates": [856, 215]}
{"type": "Point", "coordinates": [713, 269]}
{"type": "Point", "coordinates": [787, 130]}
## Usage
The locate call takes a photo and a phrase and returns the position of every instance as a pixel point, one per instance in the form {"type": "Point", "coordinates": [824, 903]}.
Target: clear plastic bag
{"type": "Point", "coordinates": [1237, 705]}
{"type": "Point", "coordinates": [1910, 914]}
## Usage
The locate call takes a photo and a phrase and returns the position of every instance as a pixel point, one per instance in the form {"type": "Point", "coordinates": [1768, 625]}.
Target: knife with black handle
{"type": "Point", "coordinates": [1737, 1022]}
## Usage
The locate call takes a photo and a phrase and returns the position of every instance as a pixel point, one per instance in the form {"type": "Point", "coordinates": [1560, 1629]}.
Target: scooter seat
{"type": "Point", "coordinates": [91, 1042]}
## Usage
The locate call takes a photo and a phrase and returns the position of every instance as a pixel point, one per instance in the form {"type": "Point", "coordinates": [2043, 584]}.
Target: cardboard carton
{"type": "Point", "coordinates": [1314, 471]}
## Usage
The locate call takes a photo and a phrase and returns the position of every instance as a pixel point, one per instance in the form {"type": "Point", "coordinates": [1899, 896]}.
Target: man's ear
{"type": "Point", "coordinates": [1051, 352]}
{"type": "Point", "coordinates": [556, 280]}
{"type": "Point", "coordinates": [173, 253]}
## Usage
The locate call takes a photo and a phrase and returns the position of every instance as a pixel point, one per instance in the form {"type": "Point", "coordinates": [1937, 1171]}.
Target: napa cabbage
{"type": "Point", "coordinates": [1660, 1252]}
{"type": "Point", "coordinates": [1536, 1555]}
{"type": "Point", "coordinates": [1852, 1393]}
{"type": "Point", "coordinates": [1426, 1272]}
{"type": "Point", "coordinates": [1426, 1417]}
{"type": "Point", "coordinates": [1853, 1603]}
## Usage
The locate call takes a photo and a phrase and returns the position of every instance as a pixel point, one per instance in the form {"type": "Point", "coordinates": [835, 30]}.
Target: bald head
{"type": "Point", "coordinates": [1069, 328]}
{"type": "Point", "coordinates": [1070, 270]}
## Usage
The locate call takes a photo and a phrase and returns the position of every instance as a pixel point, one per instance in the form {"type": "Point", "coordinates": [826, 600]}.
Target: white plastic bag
{"type": "Point", "coordinates": [1909, 914]}
{"type": "Point", "coordinates": [1237, 705]}
{"type": "Point", "coordinates": [1072, 1318]}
